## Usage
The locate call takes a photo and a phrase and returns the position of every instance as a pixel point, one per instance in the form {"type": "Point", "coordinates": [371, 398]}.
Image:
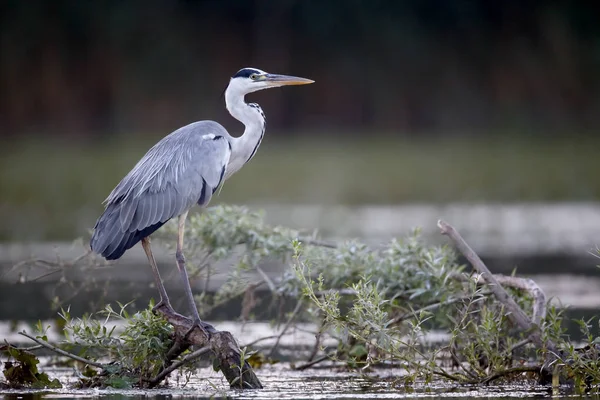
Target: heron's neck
{"type": "Point", "coordinates": [244, 147]}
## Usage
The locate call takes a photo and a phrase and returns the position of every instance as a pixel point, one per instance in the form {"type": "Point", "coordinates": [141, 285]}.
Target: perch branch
{"type": "Point", "coordinates": [223, 345]}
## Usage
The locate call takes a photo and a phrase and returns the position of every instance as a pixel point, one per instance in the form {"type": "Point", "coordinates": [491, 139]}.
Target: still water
{"type": "Point", "coordinates": [281, 382]}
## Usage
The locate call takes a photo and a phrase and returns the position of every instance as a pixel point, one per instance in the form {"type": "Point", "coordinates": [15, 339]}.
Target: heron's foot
{"type": "Point", "coordinates": [162, 304]}
{"type": "Point", "coordinates": [205, 327]}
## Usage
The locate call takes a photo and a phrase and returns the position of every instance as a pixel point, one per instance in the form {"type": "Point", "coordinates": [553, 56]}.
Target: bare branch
{"type": "Point", "coordinates": [190, 357]}
{"type": "Point", "coordinates": [520, 344]}
{"type": "Point", "coordinates": [262, 339]}
{"type": "Point", "coordinates": [515, 313]}
{"type": "Point", "coordinates": [526, 284]}
{"type": "Point", "coordinates": [530, 286]}
{"type": "Point", "coordinates": [61, 351]}
{"type": "Point", "coordinates": [266, 278]}
{"type": "Point", "coordinates": [286, 327]}
{"type": "Point", "coordinates": [319, 243]}
{"type": "Point", "coordinates": [315, 361]}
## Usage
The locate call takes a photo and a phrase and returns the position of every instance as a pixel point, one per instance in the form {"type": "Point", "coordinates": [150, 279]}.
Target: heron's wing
{"type": "Point", "coordinates": [181, 170]}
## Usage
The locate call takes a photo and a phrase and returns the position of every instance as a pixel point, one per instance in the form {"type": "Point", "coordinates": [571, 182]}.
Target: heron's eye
{"type": "Point", "coordinates": [254, 77]}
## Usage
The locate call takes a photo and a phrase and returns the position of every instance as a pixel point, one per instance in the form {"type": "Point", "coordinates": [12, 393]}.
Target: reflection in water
{"type": "Point", "coordinates": [281, 382]}
{"type": "Point", "coordinates": [86, 395]}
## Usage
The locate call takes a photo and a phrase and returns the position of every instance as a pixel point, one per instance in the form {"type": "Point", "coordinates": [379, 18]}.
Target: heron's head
{"type": "Point", "coordinates": [248, 80]}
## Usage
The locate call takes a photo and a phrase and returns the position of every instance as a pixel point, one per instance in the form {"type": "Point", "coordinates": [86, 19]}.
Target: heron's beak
{"type": "Point", "coordinates": [281, 80]}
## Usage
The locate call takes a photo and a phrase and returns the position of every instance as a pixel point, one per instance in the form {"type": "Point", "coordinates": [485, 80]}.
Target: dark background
{"type": "Point", "coordinates": [402, 67]}
{"type": "Point", "coordinates": [425, 101]}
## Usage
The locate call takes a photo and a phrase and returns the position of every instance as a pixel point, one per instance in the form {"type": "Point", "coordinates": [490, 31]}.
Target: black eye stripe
{"type": "Point", "coordinates": [246, 72]}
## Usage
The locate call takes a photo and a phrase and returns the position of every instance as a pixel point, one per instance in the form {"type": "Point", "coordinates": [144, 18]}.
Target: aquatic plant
{"type": "Point", "coordinates": [379, 305]}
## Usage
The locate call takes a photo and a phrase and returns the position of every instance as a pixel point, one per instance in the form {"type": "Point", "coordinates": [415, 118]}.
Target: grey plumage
{"type": "Point", "coordinates": [182, 169]}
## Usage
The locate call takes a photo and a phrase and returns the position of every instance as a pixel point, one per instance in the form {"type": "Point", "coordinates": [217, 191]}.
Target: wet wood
{"type": "Point", "coordinates": [225, 349]}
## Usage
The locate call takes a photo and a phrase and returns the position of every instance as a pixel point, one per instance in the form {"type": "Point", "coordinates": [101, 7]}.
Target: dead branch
{"type": "Point", "coordinates": [530, 286]}
{"type": "Point", "coordinates": [319, 243]}
{"type": "Point", "coordinates": [286, 327]}
{"type": "Point", "coordinates": [526, 284]}
{"type": "Point", "coordinates": [222, 344]}
{"type": "Point", "coordinates": [459, 363]}
{"type": "Point", "coordinates": [190, 357]}
{"type": "Point", "coordinates": [316, 361]}
{"type": "Point", "coordinates": [262, 339]}
{"type": "Point", "coordinates": [317, 344]}
{"type": "Point", "coordinates": [515, 313]}
{"type": "Point", "coordinates": [62, 352]}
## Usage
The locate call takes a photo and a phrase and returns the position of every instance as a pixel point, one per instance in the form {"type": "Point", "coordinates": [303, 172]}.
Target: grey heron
{"type": "Point", "coordinates": [183, 169]}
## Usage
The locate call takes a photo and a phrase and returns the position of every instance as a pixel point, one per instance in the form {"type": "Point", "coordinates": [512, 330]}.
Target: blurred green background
{"type": "Point", "coordinates": [427, 101]}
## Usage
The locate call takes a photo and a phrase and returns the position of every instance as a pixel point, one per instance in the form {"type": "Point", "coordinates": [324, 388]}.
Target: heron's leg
{"type": "Point", "coordinates": [184, 276]}
{"type": "Point", "coordinates": [164, 299]}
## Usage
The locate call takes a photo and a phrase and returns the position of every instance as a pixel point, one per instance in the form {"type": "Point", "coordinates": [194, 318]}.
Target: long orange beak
{"type": "Point", "coordinates": [281, 80]}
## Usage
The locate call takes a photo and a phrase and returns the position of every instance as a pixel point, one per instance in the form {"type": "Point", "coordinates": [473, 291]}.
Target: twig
{"type": "Point", "coordinates": [192, 356]}
{"type": "Point", "coordinates": [61, 351]}
{"type": "Point", "coordinates": [343, 292]}
{"type": "Point", "coordinates": [87, 253]}
{"type": "Point", "coordinates": [460, 364]}
{"type": "Point", "coordinates": [262, 339]}
{"type": "Point", "coordinates": [286, 327]}
{"type": "Point", "coordinates": [266, 278]}
{"type": "Point", "coordinates": [59, 265]}
{"type": "Point", "coordinates": [430, 307]}
{"type": "Point", "coordinates": [44, 275]}
{"type": "Point", "coordinates": [32, 348]}
{"type": "Point", "coordinates": [315, 361]}
{"type": "Point", "coordinates": [520, 344]}
{"type": "Point", "coordinates": [315, 349]}
{"type": "Point", "coordinates": [515, 313]}
{"type": "Point", "coordinates": [319, 243]}
{"type": "Point", "coordinates": [456, 377]}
